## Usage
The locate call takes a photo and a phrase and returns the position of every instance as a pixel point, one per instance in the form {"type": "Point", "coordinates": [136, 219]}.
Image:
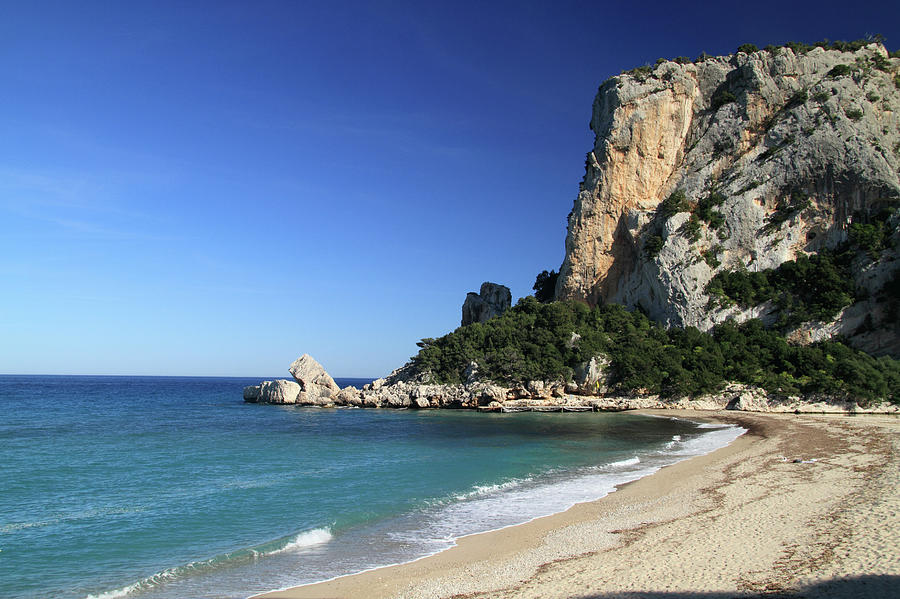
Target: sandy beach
{"type": "Point", "coordinates": [801, 505]}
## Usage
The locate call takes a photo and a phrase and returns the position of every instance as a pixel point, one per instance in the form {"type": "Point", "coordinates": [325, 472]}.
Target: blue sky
{"type": "Point", "coordinates": [214, 188]}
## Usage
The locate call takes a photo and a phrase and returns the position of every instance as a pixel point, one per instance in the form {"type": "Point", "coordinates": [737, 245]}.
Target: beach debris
{"type": "Point", "coordinates": [798, 460]}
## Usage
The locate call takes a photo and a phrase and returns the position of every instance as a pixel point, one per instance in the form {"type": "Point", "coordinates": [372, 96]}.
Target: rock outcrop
{"type": "Point", "coordinates": [406, 389]}
{"type": "Point", "coordinates": [251, 394]}
{"type": "Point", "coordinates": [492, 300]}
{"type": "Point", "coordinates": [312, 386]}
{"type": "Point", "coordinates": [279, 391]}
{"type": "Point", "coordinates": [314, 381]}
{"type": "Point", "coordinates": [793, 145]}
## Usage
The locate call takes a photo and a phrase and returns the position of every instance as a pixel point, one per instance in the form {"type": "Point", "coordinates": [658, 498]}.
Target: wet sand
{"type": "Point", "coordinates": [742, 521]}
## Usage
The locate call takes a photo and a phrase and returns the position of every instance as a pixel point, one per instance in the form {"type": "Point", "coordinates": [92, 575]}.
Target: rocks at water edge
{"type": "Point", "coordinates": [251, 393]}
{"type": "Point", "coordinates": [405, 388]}
{"type": "Point", "coordinates": [492, 300]}
{"type": "Point", "coordinates": [312, 386]}
{"type": "Point", "coordinates": [278, 391]}
{"type": "Point", "coordinates": [314, 381]}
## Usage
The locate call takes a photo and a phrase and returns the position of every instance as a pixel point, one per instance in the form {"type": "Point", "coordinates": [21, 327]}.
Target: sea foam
{"type": "Point", "coordinates": [310, 538]}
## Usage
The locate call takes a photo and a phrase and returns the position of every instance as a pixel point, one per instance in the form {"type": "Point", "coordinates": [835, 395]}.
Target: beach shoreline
{"type": "Point", "coordinates": [741, 520]}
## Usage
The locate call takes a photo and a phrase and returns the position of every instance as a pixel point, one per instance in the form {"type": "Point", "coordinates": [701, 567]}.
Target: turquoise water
{"type": "Point", "coordinates": [173, 487]}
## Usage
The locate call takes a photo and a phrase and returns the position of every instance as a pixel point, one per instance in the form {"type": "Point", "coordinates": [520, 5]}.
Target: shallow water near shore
{"type": "Point", "coordinates": [164, 487]}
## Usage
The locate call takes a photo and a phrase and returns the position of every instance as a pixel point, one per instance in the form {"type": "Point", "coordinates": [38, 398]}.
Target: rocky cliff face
{"type": "Point", "coordinates": [491, 300]}
{"type": "Point", "coordinates": [789, 147]}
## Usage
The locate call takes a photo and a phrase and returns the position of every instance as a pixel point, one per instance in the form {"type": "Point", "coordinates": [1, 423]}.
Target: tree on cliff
{"type": "Point", "coordinates": [545, 286]}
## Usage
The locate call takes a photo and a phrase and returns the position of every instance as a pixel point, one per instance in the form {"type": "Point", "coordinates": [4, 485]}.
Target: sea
{"type": "Point", "coordinates": [173, 487]}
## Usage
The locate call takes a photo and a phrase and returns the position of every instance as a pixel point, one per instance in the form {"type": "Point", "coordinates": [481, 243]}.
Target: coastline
{"type": "Point", "coordinates": [743, 519]}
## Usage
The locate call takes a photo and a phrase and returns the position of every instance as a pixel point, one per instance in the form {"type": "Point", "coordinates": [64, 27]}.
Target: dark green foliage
{"type": "Point", "coordinates": [672, 205]}
{"type": "Point", "coordinates": [722, 97]}
{"type": "Point", "coordinates": [816, 287]}
{"type": "Point", "coordinates": [747, 48]}
{"type": "Point", "coordinates": [840, 70]}
{"type": "Point", "coordinates": [850, 46]}
{"type": "Point", "coordinates": [711, 256]}
{"type": "Point", "coordinates": [545, 286]}
{"type": "Point", "coordinates": [653, 245]}
{"type": "Point", "coordinates": [683, 59]}
{"type": "Point", "coordinates": [869, 237]}
{"type": "Point", "coordinates": [640, 73]}
{"type": "Point", "coordinates": [798, 99]}
{"type": "Point", "coordinates": [803, 48]}
{"type": "Point", "coordinates": [881, 63]}
{"type": "Point", "coordinates": [532, 341]}
{"type": "Point", "coordinates": [768, 153]}
{"type": "Point", "coordinates": [799, 47]}
{"type": "Point", "coordinates": [704, 210]}
{"type": "Point", "coordinates": [821, 96]}
{"type": "Point", "coordinates": [854, 114]}
{"type": "Point", "coordinates": [895, 54]}
{"type": "Point", "coordinates": [692, 229]}
{"type": "Point", "coordinates": [813, 287]}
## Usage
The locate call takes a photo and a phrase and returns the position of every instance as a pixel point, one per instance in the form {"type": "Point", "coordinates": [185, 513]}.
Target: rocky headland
{"type": "Point", "coordinates": [406, 388]}
{"type": "Point", "coordinates": [760, 187]}
{"type": "Point", "coordinates": [742, 163]}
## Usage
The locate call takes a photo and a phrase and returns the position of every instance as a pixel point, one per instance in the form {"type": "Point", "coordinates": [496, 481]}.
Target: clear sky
{"type": "Point", "coordinates": [214, 188]}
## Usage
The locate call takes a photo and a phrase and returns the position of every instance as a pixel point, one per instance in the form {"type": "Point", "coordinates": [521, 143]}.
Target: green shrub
{"type": "Point", "coordinates": [840, 70]}
{"type": "Point", "coordinates": [881, 63]}
{"type": "Point", "coordinates": [821, 96]}
{"type": "Point", "coordinates": [717, 198]}
{"type": "Point", "coordinates": [704, 210]}
{"type": "Point", "coordinates": [640, 73]}
{"type": "Point", "coordinates": [653, 246]}
{"type": "Point", "coordinates": [747, 48]}
{"type": "Point", "coordinates": [799, 47]}
{"type": "Point", "coordinates": [692, 229]}
{"type": "Point", "coordinates": [849, 46]}
{"type": "Point", "coordinates": [683, 59]}
{"type": "Point", "coordinates": [711, 256]}
{"type": "Point", "coordinates": [868, 237]}
{"type": "Point", "coordinates": [798, 99]}
{"type": "Point", "coordinates": [722, 97]}
{"type": "Point", "coordinates": [672, 205]}
{"type": "Point", "coordinates": [854, 114]}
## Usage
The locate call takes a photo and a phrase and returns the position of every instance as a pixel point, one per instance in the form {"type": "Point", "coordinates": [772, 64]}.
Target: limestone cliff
{"type": "Point", "coordinates": [492, 300]}
{"type": "Point", "coordinates": [792, 146]}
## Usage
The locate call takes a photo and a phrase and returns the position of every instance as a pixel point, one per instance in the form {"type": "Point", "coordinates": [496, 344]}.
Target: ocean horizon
{"type": "Point", "coordinates": [165, 487]}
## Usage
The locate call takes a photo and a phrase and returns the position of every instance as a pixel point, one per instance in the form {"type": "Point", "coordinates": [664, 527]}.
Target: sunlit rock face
{"type": "Point", "coordinates": [794, 145]}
